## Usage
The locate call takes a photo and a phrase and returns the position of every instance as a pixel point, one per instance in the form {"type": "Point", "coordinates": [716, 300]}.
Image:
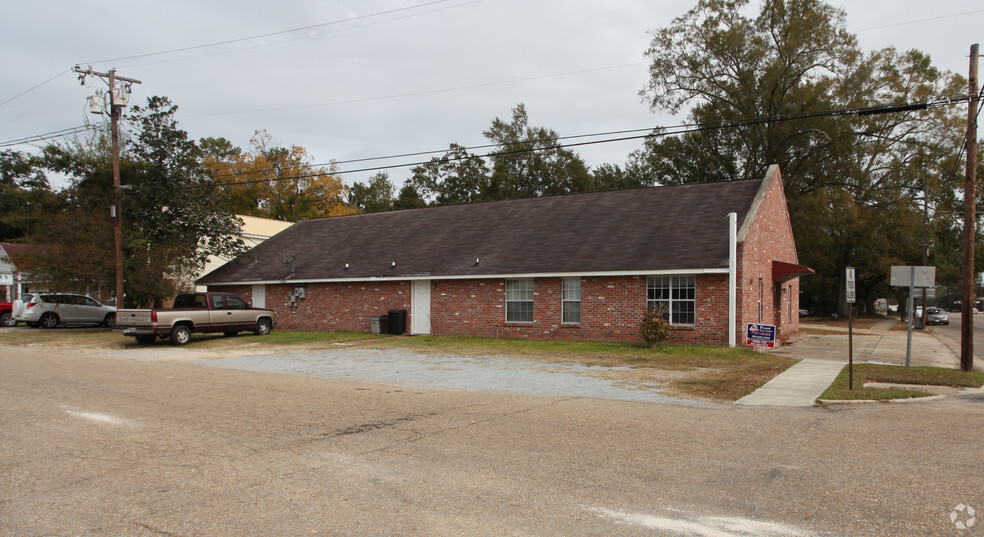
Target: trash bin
{"type": "Point", "coordinates": [374, 324]}
{"type": "Point", "coordinates": [397, 322]}
{"type": "Point", "coordinates": [384, 324]}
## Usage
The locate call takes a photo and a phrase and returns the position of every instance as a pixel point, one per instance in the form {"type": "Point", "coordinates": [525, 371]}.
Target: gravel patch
{"type": "Point", "coordinates": [493, 374]}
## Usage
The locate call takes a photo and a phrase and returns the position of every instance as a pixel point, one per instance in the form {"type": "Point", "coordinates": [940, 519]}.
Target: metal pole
{"type": "Point", "coordinates": [912, 290]}
{"type": "Point", "coordinates": [732, 278]}
{"type": "Point", "coordinates": [970, 224]}
{"type": "Point", "coordinates": [850, 347]}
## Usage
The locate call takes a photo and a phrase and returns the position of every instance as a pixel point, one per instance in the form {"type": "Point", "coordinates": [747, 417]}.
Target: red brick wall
{"type": "Point", "coordinates": [611, 308]}
{"type": "Point", "coordinates": [770, 237]}
{"type": "Point", "coordinates": [331, 306]}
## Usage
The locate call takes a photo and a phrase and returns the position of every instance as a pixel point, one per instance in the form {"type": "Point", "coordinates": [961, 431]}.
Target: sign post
{"type": "Point", "coordinates": [851, 297]}
{"type": "Point", "coordinates": [912, 277]}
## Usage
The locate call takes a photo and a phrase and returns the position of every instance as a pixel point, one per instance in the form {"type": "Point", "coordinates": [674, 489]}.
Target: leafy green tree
{"type": "Point", "coordinates": [174, 217]}
{"type": "Point", "coordinates": [529, 161]}
{"type": "Point", "coordinates": [612, 177]}
{"type": "Point", "coordinates": [373, 197]}
{"type": "Point", "coordinates": [409, 198]}
{"type": "Point", "coordinates": [454, 178]}
{"type": "Point", "coordinates": [26, 196]}
{"type": "Point", "coordinates": [853, 183]}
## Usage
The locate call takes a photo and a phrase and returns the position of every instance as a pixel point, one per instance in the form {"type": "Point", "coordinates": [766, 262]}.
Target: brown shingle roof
{"type": "Point", "coordinates": [650, 229]}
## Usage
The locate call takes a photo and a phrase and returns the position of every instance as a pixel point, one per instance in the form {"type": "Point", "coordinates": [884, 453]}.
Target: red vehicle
{"type": "Point", "coordinates": [6, 314]}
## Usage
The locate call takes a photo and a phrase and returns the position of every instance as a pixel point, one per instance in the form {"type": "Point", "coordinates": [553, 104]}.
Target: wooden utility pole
{"type": "Point", "coordinates": [114, 114]}
{"type": "Point", "coordinates": [970, 223]}
{"type": "Point", "coordinates": [115, 110]}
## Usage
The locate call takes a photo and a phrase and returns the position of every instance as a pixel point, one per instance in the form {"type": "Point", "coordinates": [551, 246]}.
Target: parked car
{"type": "Point", "coordinates": [937, 316]}
{"type": "Point", "coordinates": [48, 310]}
{"type": "Point", "coordinates": [7, 314]}
{"type": "Point", "coordinates": [195, 312]}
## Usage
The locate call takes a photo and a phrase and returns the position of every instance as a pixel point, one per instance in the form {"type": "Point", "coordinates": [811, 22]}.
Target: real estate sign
{"type": "Point", "coordinates": [760, 335]}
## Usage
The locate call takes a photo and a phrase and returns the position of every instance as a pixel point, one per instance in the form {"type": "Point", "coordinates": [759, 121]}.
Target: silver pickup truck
{"type": "Point", "coordinates": [194, 312]}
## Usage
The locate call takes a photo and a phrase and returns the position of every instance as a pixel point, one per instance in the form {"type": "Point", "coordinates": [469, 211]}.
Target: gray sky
{"type": "Point", "coordinates": [386, 76]}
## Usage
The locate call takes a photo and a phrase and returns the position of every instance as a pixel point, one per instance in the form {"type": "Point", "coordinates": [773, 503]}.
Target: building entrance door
{"type": "Point", "coordinates": [420, 306]}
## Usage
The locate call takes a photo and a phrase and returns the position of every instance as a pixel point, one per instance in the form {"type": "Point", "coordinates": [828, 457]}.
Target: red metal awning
{"type": "Point", "coordinates": [783, 272]}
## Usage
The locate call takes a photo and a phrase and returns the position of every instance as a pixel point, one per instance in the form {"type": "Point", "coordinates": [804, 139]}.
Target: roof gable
{"type": "Point", "coordinates": [650, 229]}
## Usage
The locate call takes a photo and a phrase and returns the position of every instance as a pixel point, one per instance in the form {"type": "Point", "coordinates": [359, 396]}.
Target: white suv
{"type": "Point", "coordinates": [48, 310]}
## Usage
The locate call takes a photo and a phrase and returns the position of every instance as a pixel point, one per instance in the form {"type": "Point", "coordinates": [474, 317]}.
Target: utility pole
{"type": "Point", "coordinates": [970, 223]}
{"type": "Point", "coordinates": [117, 100]}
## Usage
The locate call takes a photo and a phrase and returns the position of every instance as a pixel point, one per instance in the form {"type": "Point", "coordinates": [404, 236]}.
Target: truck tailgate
{"type": "Point", "coordinates": [133, 317]}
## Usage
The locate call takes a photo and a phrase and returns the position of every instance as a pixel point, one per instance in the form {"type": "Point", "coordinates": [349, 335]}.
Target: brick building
{"type": "Point", "coordinates": [583, 266]}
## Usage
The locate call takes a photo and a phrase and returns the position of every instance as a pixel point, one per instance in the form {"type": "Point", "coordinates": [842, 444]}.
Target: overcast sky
{"type": "Point", "coordinates": [367, 78]}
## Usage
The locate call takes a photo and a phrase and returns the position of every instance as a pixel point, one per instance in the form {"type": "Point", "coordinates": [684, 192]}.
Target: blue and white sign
{"type": "Point", "coordinates": [760, 335]}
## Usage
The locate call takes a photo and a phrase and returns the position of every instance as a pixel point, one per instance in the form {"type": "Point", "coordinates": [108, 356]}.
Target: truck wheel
{"type": "Point", "coordinates": [180, 335]}
{"type": "Point", "coordinates": [263, 327]}
{"type": "Point", "coordinates": [6, 319]}
{"type": "Point", "coordinates": [48, 320]}
{"type": "Point", "coordinates": [146, 339]}
{"type": "Point", "coordinates": [110, 321]}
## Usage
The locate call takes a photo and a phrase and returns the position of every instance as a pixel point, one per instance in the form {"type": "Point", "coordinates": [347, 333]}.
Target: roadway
{"type": "Point", "coordinates": [95, 444]}
{"type": "Point", "coordinates": [951, 332]}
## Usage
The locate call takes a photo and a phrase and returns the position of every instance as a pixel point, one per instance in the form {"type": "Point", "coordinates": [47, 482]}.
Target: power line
{"type": "Point", "coordinates": [25, 92]}
{"type": "Point", "coordinates": [292, 39]}
{"type": "Point", "coordinates": [922, 20]}
{"type": "Point", "coordinates": [423, 92]}
{"type": "Point", "coordinates": [271, 34]}
{"type": "Point", "coordinates": [48, 135]}
{"type": "Point", "coordinates": [651, 133]}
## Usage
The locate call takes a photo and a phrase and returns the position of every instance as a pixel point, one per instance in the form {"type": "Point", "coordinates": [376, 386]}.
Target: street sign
{"type": "Point", "coordinates": [906, 276]}
{"type": "Point", "coordinates": [851, 291]}
{"type": "Point", "coordinates": [760, 335]}
{"type": "Point", "coordinates": [6, 279]}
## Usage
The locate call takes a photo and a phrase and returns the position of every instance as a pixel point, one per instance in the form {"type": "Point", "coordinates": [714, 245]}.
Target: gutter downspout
{"type": "Point", "coordinates": [732, 277]}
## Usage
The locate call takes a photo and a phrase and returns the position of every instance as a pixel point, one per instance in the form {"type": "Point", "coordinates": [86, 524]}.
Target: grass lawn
{"type": "Point", "coordinates": [923, 376]}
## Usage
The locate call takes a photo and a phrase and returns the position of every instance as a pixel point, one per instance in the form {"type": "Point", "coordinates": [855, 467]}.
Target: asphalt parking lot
{"type": "Point", "coordinates": [169, 441]}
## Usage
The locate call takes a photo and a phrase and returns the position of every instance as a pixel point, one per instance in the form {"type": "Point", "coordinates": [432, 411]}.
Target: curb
{"type": "Point", "coordinates": [937, 397]}
{"type": "Point", "coordinates": [848, 402]}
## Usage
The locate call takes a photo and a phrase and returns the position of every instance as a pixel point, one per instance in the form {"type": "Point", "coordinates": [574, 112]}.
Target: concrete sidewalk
{"type": "Point", "coordinates": [824, 356]}
{"type": "Point", "coordinates": [799, 385]}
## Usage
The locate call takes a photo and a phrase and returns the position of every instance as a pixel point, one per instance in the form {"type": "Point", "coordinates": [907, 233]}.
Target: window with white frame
{"type": "Point", "coordinates": [519, 301]}
{"type": "Point", "coordinates": [571, 300]}
{"type": "Point", "coordinates": [677, 294]}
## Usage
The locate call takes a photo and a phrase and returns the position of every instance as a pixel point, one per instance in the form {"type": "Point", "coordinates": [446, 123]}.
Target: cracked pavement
{"type": "Point", "coordinates": [94, 445]}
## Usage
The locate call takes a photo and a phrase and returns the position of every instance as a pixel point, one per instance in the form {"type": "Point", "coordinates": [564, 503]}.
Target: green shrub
{"type": "Point", "coordinates": [656, 326]}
